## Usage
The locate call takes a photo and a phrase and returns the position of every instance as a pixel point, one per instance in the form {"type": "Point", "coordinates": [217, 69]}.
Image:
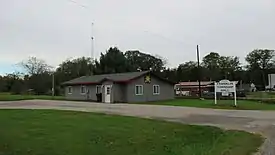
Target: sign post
{"type": "Point", "coordinates": [225, 87]}
{"type": "Point", "coordinates": [215, 93]}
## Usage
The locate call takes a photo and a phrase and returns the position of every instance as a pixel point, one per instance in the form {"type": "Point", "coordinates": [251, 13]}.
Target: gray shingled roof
{"type": "Point", "coordinates": [99, 78]}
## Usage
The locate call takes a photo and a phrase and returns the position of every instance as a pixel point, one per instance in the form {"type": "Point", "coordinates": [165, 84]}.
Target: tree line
{"type": "Point", "coordinates": [38, 75]}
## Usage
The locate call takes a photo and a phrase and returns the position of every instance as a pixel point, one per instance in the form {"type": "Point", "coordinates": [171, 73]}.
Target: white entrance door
{"type": "Point", "coordinates": [107, 93]}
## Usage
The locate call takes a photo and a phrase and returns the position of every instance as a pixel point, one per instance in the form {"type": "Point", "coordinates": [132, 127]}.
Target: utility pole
{"type": "Point", "coordinates": [199, 70]}
{"type": "Point", "coordinates": [269, 77]}
{"type": "Point", "coordinates": [53, 84]}
{"type": "Point", "coordinates": [92, 48]}
{"type": "Point", "coordinates": [92, 36]}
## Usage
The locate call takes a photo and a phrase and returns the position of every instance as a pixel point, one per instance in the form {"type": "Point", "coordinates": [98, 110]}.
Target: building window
{"type": "Point", "coordinates": [108, 91]}
{"type": "Point", "coordinates": [98, 89]}
{"type": "Point", "coordinates": [156, 89]}
{"type": "Point", "coordinates": [83, 89]}
{"type": "Point", "coordinates": [139, 90]}
{"type": "Point", "coordinates": [70, 90]}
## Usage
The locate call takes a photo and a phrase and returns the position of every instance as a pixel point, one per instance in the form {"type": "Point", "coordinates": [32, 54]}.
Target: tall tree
{"type": "Point", "coordinates": [141, 61]}
{"type": "Point", "coordinates": [74, 68]}
{"type": "Point", "coordinates": [113, 61]}
{"type": "Point", "coordinates": [259, 61]}
{"type": "Point", "coordinates": [187, 71]}
{"type": "Point", "coordinates": [211, 60]}
{"type": "Point", "coordinates": [211, 63]}
{"type": "Point", "coordinates": [39, 75]}
{"type": "Point", "coordinates": [219, 67]}
{"type": "Point", "coordinates": [228, 66]}
{"type": "Point", "coordinates": [170, 74]}
{"type": "Point", "coordinates": [2, 84]}
{"type": "Point", "coordinates": [34, 66]}
{"type": "Point", "coordinates": [12, 83]}
{"type": "Point", "coordinates": [40, 84]}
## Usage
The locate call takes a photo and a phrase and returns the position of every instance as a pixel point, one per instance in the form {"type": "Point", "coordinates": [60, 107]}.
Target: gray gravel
{"type": "Point", "coordinates": [261, 122]}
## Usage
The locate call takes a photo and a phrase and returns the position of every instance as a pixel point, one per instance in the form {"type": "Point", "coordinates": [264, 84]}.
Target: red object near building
{"type": "Point", "coordinates": [192, 88]}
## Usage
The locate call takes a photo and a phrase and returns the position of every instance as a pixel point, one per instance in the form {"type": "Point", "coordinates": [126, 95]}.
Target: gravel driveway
{"type": "Point", "coordinates": [262, 122]}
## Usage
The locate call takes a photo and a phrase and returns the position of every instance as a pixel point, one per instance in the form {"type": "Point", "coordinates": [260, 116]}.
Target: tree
{"type": "Point", "coordinates": [2, 84]}
{"type": "Point", "coordinates": [34, 66]}
{"type": "Point", "coordinates": [74, 68]}
{"type": "Point", "coordinates": [40, 83]}
{"type": "Point", "coordinates": [228, 66]}
{"type": "Point", "coordinates": [18, 86]}
{"type": "Point", "coordinates": [12, 83]}
{"type": "Point", "coordinates": [170, 74]}
{"type": "Point", "coordinates": [187, 71]}
{"type": "Point", "coordinates": [113, 61]}
{"type": "Point", "coordinates": [39, 75]}
{"type": "Point", "coordinates": [259, 61]}
{"type": "Point", "coordinates": [219, 67]}
{"type": "Point", "coordinates": [211, 63]}
{"type": "Point", "coordinates": [137, 60]}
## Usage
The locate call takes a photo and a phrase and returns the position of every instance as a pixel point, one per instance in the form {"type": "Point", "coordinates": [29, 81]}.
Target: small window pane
{"type": "Point", "coordinates": [70, 90]}
{"type": "Point", "coordinates": [98, 89]}
{"type": "Point", "coordinates": [108, 90]}
{"type": "Point", "coordinates": [156, 89]}
{"type": "Point", "coordinates": [139, 90]}
{"type": "Point", "coordinates": [83, 89]}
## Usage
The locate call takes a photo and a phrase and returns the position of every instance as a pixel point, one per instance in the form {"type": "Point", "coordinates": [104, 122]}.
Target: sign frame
{"type": "Point", "coordinates": [225, 87]}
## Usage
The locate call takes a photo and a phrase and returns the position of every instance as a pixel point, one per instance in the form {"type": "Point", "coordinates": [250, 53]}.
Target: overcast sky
{"type": "Point", "coordinates": [55, 30]}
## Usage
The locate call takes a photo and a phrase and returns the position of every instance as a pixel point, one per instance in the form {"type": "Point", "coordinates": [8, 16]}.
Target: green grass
{"type": "Point", "coordinates": [9, 97]}
{"type": "Point", "coordinates": [48, 132]}
{"type": "Point", "coordinates": [262, 95]}
{"type": "Point", "coordinates": [221, 104]}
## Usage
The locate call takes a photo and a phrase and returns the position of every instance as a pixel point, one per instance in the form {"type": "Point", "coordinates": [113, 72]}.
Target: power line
{"type": "Point", "coordinates": [78, 4]}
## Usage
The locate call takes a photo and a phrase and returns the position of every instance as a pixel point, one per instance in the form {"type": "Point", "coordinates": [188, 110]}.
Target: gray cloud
{"type": "Point", "coordinates": [56, 30]}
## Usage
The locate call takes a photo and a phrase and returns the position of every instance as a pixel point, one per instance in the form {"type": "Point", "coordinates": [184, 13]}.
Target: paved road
{"type": "Point", "coordinates": [262, 122]}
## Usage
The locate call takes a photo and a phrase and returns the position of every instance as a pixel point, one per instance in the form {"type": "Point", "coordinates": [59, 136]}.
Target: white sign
{"type": "Point", "coordinates": [225, 93]}
{"type": "Point", "coordinates": [225, 87]}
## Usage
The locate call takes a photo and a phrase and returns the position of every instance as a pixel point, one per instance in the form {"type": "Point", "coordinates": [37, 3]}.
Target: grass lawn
{"type": "Point", "coordinates": [261, 95]}
{"type": "Point", "coordinates": [9, 97]}
{"type": "Point", "coordinates": [48, 132]}
{"type": "Point", "coordinates": [221, 104]}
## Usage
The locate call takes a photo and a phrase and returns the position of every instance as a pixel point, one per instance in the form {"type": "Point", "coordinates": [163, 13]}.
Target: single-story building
{"type": "Point", "coordinates": [121, 87]}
